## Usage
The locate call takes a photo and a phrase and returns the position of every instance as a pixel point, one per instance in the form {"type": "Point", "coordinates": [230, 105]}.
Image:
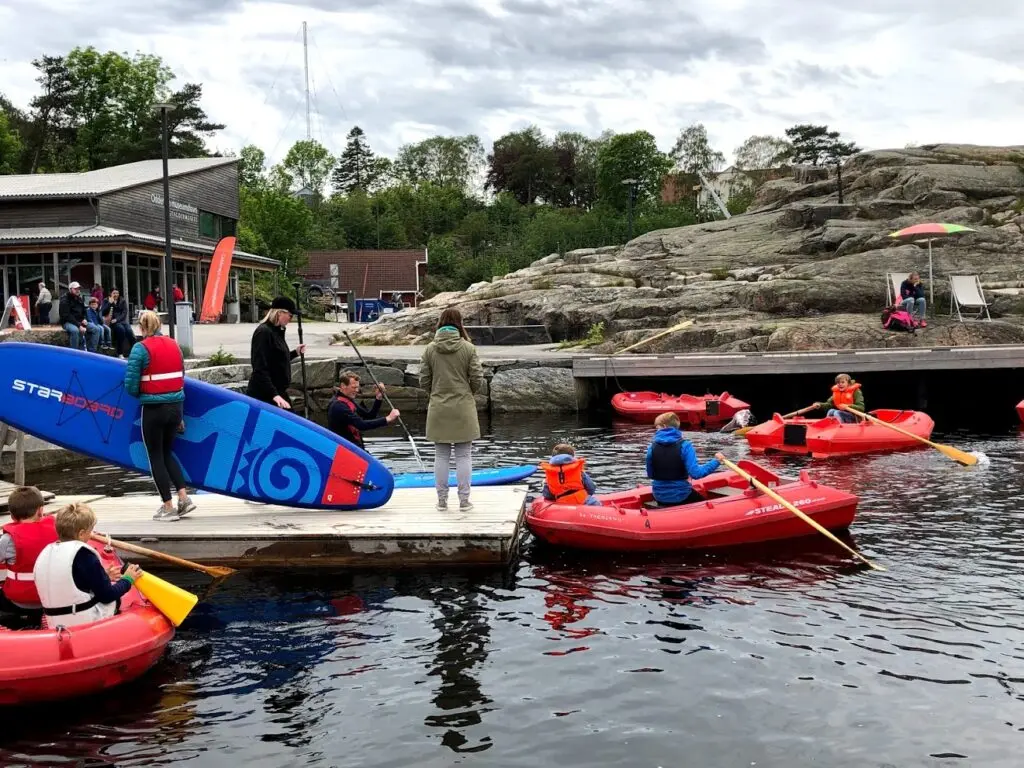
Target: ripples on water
{"type": "Point", "coordinates": [788, 656]}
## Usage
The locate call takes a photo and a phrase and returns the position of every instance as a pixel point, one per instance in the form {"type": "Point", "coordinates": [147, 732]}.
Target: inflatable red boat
{"type": "Point", "coordinates": [1020, 410]}
{"type": "Point", "coordinates": [733, 514]}
{"type": "Point", "coordinates": [52, 664]}
{"type": "Point", "coordinates": [827, 437]}
{"type": "Point", "coordinates": [706, 410]}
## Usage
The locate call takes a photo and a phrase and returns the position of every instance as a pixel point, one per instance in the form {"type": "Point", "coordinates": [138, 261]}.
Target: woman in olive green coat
{"type": "Point", "coordinates": [451, 374]}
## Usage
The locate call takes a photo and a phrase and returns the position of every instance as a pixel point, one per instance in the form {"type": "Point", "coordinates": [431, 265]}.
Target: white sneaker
{"type": "Point", "coordinates": [465, 506]}
{"type": "Point", "coordinates": [167, 515]}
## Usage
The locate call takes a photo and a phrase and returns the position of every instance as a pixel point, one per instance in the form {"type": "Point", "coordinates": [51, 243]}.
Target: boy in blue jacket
{"type": "Point", "coordinates": [93, 317]}
{"type": "Point", "coordinates": [672, 463]}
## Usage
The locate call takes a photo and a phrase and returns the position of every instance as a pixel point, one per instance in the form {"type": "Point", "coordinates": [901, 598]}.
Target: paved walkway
{"type": "Point", "coordinates": [235, 338]}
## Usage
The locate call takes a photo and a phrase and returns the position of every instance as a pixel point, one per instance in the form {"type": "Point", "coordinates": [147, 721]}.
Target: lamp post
{"type": "Point", "coordinates": [632, 183]}
{"type": "Point", "coordinates": [167, 273]}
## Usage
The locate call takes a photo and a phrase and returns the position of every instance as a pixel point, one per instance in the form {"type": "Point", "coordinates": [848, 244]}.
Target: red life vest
{"type": "Point", "coordinates": [166, 370]}
{"type": "Point", "coordinates": [565, 481]}
{"type": "Point", "coordinates": [844, 396]}
{"type": "Point", "coordinates": [29, 540]}
{"type": "Point", "coordinates": [353, 435]}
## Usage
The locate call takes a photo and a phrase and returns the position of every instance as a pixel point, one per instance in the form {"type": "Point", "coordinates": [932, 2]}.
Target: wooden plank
{"type": "Point", "coordinates": [5, 491]}
{"type": "Point", "coordinates": [408, 531]}
{"type": "Point", "coordinates": [857, 361]}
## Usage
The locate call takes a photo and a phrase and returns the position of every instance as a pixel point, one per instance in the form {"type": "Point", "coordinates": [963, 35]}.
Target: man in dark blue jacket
{"type": "Point", "coordinates": [348, 418]}
{"type": "Point", "coordinates": [672, 463]}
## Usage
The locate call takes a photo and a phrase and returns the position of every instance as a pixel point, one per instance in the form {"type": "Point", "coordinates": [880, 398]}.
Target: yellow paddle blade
{"type": "Point", "coordinates": [961, 457]}
{"type": "Point", "coordinates": [173, 602]}
{"type": "Point", "coordinates": [743, 430]}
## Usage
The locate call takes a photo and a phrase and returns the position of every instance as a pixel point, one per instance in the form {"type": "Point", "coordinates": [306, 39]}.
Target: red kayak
{"type": "Point", "coordinates": [828, 437]}
{"type": "Point", "coordinates": [1020, 410]}
{"type": "Point", "coordinates": [706, 410]}
{"type": "Point", "coordinates": [733, 514]}
{"type": "Point", "coordinates": [51, 664]}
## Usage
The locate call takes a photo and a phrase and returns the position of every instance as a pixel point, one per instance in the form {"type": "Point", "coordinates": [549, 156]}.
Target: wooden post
{"type": "Point", "coordinates": [19, 459]}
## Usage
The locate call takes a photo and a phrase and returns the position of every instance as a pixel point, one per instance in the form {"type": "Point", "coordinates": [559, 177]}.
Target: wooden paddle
{"type": "Point", "coordinates": [801, 412]}
{"type": "Point", "coordinates": [673, 329]}
{"type": "Point", "coordinates": [961, 457]}
{"type": "Point", "coordinates": [813, 523]}
{"type": "Point", "coordinates": [216, 571]}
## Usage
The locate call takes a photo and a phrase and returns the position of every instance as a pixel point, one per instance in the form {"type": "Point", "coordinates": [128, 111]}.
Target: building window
{"type": "Point", "coordinates": [228, 227]}
{"type": "Point", "coordinates": [208, 224]}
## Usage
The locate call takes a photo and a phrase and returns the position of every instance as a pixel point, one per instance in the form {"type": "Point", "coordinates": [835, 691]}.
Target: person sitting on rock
{"type": "Point", "coordinates": [845, 392]}
{"type": "Point", "coordinates": [912, 297]}
{"type": "Point", "coordinates": [565, 480]}
{"type": "Point", "coordinates": [672, 462]}
{"type": "Point", "coordinates": [349, 419]}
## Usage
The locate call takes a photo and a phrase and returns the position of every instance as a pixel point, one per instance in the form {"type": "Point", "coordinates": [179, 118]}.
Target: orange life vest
{"type": "Point", "coordinates": [844, 396]}
{"type": "Point", "coordinates": [166, 370]}
{"type": "Point", "coordinates": [565, 481]}
{"type": "Point", "coordinates": [29, 540]}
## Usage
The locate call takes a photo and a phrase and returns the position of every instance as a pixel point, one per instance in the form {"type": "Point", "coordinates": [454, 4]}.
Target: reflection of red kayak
{"type": "Point", "coordinates": [823, 438]}
{"type": "Point", "coordinates": [733, 514]}
{"type": "Point", "coordinates": [1020, 410]}
{"type": "Point", "coordinates": [52, 664]}
{"type": "Point", "coordinates": [693, 411]}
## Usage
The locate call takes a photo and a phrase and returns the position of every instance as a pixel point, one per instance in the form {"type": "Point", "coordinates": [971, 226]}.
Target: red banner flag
{"type": "Point", "coordinates": [217, 283]}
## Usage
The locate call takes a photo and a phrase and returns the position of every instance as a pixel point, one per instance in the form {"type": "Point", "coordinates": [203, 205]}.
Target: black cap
{"type": "Point", "coordinates": [283, 302]}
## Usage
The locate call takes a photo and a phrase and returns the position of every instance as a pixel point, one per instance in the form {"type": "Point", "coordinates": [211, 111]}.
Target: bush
{"type": "Point", "coordinates": [220, 357]}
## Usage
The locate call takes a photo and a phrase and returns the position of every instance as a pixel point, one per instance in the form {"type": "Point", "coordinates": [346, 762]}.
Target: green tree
{"type": "Point", "coordinates": [307, 166]}
{"type": "Point", "coordinates": [524, 164]}
{"type": "Point", "coordinates": [693, 152]}
{"type": "Point", "coordinates": [444, 161]}
{"type": "Point", "coordinates": [760, 152]}
{"type": "Point", "coordinates": [630, 156]}
{"type": "Point", "coordinates": [252, 166]}
{"type": "Point", "coordinates": [10, 146]}
{"type": "Point", "coordinates": [276, 224]}
{"type": "Point", "coordinates": [576, 179]}
{"type": "Point", "coordinates": [357, 167]}
{"type": "Point", "coordinates": [817, 145]}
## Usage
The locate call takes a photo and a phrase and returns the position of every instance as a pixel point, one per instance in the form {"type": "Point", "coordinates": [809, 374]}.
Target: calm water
{"type": "Point", "coordinates": [784, 657]}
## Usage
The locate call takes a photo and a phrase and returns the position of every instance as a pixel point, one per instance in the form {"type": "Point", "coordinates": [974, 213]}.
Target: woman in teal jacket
{"type": "Point", "coordinates": [155, 374]}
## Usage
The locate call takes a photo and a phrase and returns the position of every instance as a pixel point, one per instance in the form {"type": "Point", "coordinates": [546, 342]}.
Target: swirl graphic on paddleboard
{"type": "Point", "coordinates": [287, 473]}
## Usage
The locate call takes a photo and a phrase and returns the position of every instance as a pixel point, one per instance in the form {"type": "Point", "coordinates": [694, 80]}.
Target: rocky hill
{"type": "Point", "coordinates": [798, 271]}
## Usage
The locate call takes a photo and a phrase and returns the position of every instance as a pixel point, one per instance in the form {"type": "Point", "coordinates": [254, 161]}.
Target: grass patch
{"type": "Point", "coordinates": [220, 357]}
{"type": "Point", "coordinates": [720, 273]}
{"type": "Point", "coordinates": [595, 335]}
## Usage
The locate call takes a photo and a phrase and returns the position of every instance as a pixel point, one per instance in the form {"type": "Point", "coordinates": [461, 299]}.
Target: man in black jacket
{"type": "Point", "coordinates": [73, 319]}
{"type": "Point", "coordinates": [349, 419]}
{"type": "Point", "coordinates": [115, 311]}
{"type": "Point", "coordinates": [271, 359]}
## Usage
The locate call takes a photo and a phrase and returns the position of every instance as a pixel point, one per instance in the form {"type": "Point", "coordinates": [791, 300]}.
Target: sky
{"type": "Point", "coordinates": [886, 73]}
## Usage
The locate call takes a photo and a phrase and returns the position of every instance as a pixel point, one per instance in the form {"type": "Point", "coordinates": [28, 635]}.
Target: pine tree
{"type": "Point", "coordinates": [357, 166]}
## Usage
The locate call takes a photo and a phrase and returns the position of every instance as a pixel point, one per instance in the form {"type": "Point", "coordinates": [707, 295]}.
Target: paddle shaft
{"type": "Point", "coordinates": [684, 324]}
{"type": "Point", "coordinates": [302, 356]}
{"type": "Point", "coordinates": [387, 399]}
{"type": "Point", "coordinates": [210, 570]}
{"type": "Point", "coordinates": [947, 450]}
{"type": "Point", "coordinates": [811, 522]}
{"type": "Point", "coordinates": [744, 430]}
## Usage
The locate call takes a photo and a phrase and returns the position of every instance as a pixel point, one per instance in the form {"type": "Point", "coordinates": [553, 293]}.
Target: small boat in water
{"type": "Point", "coordinates": [703, 411]}
{"type": "Point", "coordinates": [38, 665]}
{"type": "Point", "coordinates": [828, 437]}
{"type": "Point", "coordinates": [732, 514]}
{"type": "Point", "coordinates": [1020, 410]}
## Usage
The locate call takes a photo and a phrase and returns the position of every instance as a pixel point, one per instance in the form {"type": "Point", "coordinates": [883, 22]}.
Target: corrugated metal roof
{"type": "Point", "coordinates": [77, 234]}
{"type": "Point", "coordinates": [91, 183]}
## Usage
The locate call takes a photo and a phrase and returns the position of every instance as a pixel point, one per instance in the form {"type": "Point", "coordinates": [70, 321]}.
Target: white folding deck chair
{"type": "Point", "coordinates": [965, 294]}
{"type": "Point", "coordinates": [893, 281]}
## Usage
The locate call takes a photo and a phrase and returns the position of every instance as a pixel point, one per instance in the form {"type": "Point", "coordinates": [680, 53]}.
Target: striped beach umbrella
{"type": "Point", "coordinates": [921, 233]}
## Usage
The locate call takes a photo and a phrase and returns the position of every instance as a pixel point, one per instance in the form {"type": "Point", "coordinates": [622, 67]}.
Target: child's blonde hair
{"type": "Point", "coordinates": [667, 420]}
{"type": "Point", "coordinates": [73, 520]}
{"type": "Point", "coordinates": [149, 322]}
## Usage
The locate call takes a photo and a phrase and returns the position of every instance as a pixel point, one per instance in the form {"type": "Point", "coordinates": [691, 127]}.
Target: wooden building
{"type": "Point", "coordinates": [107, 227]}
{"type": "Point", "coordinates": [371, 274]}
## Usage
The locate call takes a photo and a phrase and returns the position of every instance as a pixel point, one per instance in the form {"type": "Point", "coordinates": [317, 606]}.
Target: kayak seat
{"type": "Point", "coordinates": [726, 490]}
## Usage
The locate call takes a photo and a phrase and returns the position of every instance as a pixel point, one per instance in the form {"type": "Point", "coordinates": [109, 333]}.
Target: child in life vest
{"type": "Point", "coordinates": [28, 533]}
{"type": "Point", "coordinates": [672, 462]}
{"type": "Point", "coordinates": [565, 480]}
{"type": "Point", "coordinates": [74, 588]}
{"type": "Point", "coordinates": [845, 392]}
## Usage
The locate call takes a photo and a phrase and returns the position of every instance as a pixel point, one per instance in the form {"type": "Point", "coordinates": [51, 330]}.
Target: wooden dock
{"type": "Point", "coordinates": [406, 532]}
{"type": "Point", "coordinates": [856, 361]}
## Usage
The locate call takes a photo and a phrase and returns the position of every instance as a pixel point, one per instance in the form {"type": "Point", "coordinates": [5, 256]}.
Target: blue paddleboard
{"type": "Point", "coordinates": [232, 444]}
{"type": "Point", "coordinates": [499, 476]}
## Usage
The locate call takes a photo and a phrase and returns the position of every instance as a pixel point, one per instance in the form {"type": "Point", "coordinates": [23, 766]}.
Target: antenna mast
{"type": "Point", "coordinates": [305, 56]}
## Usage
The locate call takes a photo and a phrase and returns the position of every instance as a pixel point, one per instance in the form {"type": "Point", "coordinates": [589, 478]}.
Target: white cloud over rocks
{"type": "Point", "coordinates": [884, 72]}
